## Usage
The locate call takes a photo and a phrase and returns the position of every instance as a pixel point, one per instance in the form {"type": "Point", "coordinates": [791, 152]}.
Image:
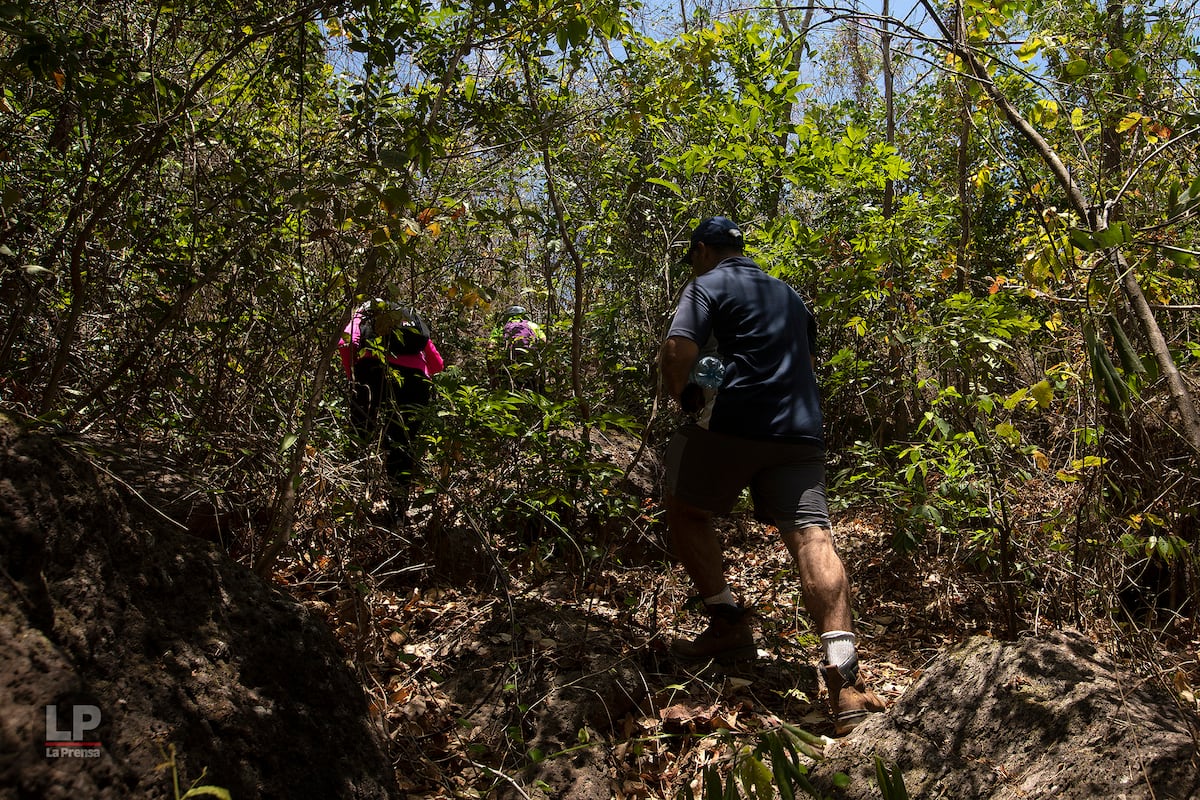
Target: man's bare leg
{"type": "Point", "coordinates": [822, 577]}
{"type": "Point", "coordinates": [695, 543]}
{"type": "Point", "coordinates": [826, 592]}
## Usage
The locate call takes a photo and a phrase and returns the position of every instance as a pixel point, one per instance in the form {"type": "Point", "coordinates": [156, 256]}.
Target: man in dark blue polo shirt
{"type": "Point", "coordinates": [765, 433]}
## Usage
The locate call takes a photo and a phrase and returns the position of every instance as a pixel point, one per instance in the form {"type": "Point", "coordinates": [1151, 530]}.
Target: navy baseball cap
{"type": "Point", "coordinates": [717, 231]}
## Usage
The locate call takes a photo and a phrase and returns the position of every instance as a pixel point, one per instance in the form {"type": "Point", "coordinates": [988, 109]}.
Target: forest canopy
{"type": "Point", "coordinates": [990, 206]}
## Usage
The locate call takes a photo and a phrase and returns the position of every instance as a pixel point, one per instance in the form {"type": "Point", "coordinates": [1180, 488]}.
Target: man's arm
{"type": "Point", "coordinates": [675, 361]}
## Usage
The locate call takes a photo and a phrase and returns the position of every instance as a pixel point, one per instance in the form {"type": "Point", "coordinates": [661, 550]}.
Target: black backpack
{"type": "Point", "coordinates": [397, 330]}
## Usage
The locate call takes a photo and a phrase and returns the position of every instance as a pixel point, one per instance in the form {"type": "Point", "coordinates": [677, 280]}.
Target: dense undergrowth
{"type": "Point", "coordinates": [512, 613]}
{"type": "Point", "coordinates": [468, 580]}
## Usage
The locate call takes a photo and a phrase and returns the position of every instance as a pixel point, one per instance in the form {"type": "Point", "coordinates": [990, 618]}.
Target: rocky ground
{"type": "Point", "coordinates": [537, 671]}
{"type": "Point", "coordinates": [180, 656]}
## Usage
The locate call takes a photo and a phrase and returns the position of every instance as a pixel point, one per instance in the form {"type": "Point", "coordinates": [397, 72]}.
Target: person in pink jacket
{"type": "Point", "coordinates": [388, 355]}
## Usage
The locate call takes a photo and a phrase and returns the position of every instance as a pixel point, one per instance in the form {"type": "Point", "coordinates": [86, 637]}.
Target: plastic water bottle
{"type": "Point", "coordinates": [708, 372]}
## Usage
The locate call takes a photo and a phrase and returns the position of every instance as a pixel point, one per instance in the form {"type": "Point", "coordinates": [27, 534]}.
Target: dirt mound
{"type": "Point", "coordinates": [142, 638]}
{"type": "Point", "coordinates": [1046, 717]}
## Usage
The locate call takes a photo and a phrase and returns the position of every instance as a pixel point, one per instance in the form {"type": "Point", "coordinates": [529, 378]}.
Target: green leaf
{"type": "Point", "coordinates": [674, 187]}
{"type": "Point", "coordinates": [288, 441]}
{"type": "Point", "coordinates": [1083, 240]}
{"type": "Point", "coordinates": [1077, 68]}
{"type": "Point", "coordinates": [1119, 233]}
{"type": "Point", "coordinates": [1180, 257]}
{"type": "Point", "coordinates": [1117, 59]}
{"type": "Point", "coordinates": [712, 782]}
{"type": "Point", "coordinates": [779, 766]}
{"type": "Point", "coordinates": [882, 777]}
{"type": "Point", "coordinates": [577, 31]}
{"type": "Point", "coordinates": [755, 778]}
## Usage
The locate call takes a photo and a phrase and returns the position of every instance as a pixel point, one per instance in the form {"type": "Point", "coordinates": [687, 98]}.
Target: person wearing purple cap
{"type": "Point", "coordinates": [764, 432]}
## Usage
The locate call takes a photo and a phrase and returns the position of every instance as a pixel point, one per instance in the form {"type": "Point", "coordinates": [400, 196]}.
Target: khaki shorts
{"type": "Point", "coordinates": [786, 479]}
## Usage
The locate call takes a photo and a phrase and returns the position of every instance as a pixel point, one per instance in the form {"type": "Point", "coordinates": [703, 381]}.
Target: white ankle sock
{"type": "Point", "coordinates": [839, 647]}
{"type": "Point", "coordinates": [724, 597]}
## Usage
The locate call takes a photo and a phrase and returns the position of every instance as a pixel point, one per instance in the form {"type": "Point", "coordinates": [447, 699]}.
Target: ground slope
{"type": "Point", "coordinates": [172, 644]}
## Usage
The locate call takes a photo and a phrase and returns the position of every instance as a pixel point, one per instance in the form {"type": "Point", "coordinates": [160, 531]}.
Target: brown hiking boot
{"type": "Point", "coordinates": [850, 701]}
{"type": "Point", "coordinates": [727, 638]}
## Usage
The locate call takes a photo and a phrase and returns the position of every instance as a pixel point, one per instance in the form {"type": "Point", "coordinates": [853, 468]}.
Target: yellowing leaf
{"type": "Point", "coordinates": [981, 177]}
{"type": "Point", "coordinates": [1055, 322]}
{"type": "Point", "coordinates": [1007, 432]}
{"type": "Point", "coordinates": [1045, 112]}
{"type": "Point", "coordinates": [1015, 398]}
{"type": "Point", "coordinates": [1030, 48]}
{"type": "Point", "coordinates": [207, 791]}
{"type": "Point", "coordinates": [1043, 393]}
{"type": "Point", "coordinates": [1041, 460]}
{"type": "Point", "coordinates": [1128, 121]}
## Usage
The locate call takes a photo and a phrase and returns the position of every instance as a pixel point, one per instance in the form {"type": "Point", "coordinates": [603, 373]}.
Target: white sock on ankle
{"type": "Point", "coordinates": [839, 647]}
{"type": "Point", "coordinates": [724, 597]}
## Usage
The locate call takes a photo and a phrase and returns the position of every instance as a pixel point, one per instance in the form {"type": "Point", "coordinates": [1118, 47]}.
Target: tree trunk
{"type": "Point", "coordinates": [774, 200]}
{"type": "Point", "coordinates": [889, 103]}
{"type": "Point", "coordinates": [964, 198]}
{"type": "Point", "coordinates": [565, 236]}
